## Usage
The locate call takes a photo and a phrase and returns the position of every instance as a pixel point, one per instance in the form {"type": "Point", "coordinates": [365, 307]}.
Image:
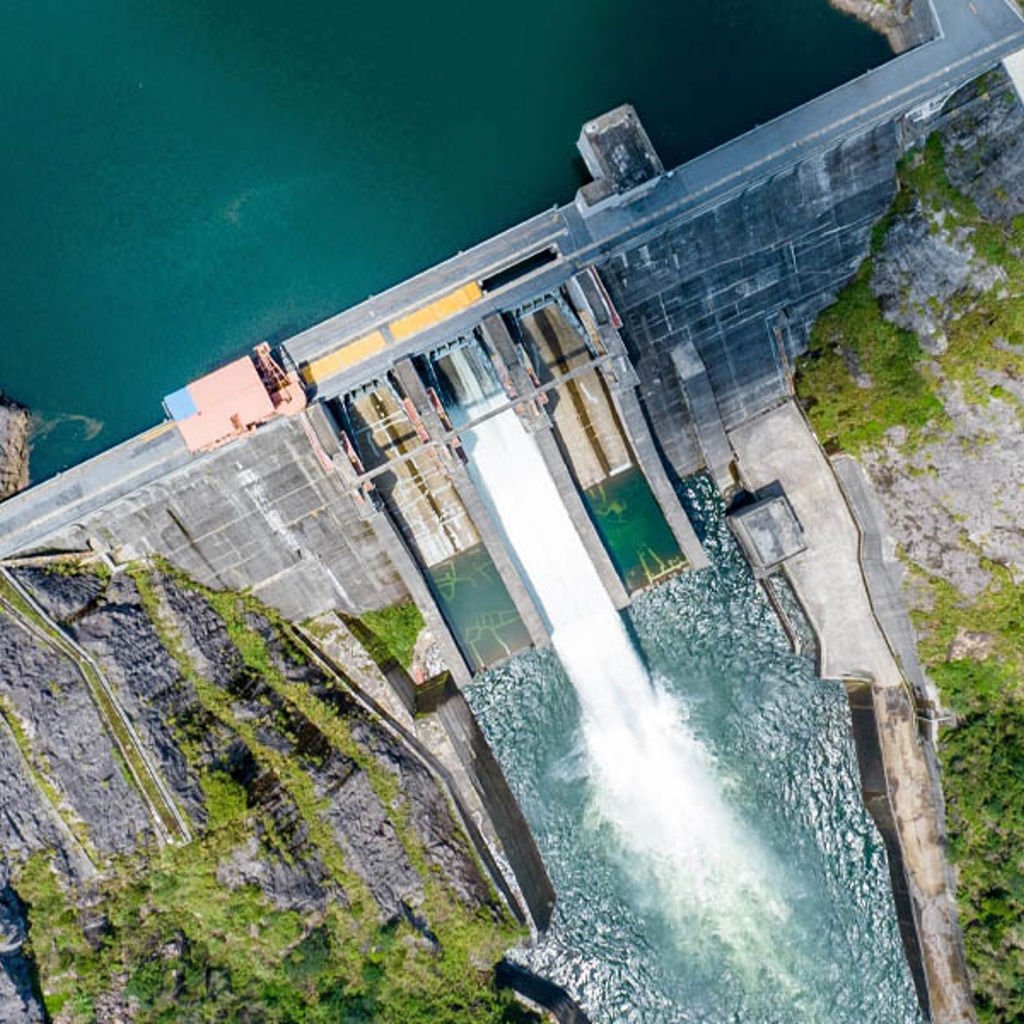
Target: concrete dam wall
{"type": "Point", "coordinates": [743, 283]}
{"type": "Point", "coordinates": [738, 285]}
{"type": "Point", "coordinates": [262, 512]}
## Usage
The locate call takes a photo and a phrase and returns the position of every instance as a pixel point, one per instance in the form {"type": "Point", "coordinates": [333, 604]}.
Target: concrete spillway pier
{"type": "Point", "coordinates": [477, 511]}
{"type": "Point", "coordinates": [496, 334]}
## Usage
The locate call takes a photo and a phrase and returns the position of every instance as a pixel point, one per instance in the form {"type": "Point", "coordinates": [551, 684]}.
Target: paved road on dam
{"type": "Point", "coordinates": [974, 36]}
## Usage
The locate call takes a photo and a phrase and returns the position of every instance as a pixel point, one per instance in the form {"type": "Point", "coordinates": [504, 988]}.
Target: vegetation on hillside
{"type": "Point", "coordinates": [163, 932]}
{"type": "Point", "coordinates": [983, 778]}
{"type": "Point", "coordinates": [862, 376]}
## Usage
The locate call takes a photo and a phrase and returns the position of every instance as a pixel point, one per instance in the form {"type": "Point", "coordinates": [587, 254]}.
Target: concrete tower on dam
{"type": "Point", "coordinates": [631, 330]}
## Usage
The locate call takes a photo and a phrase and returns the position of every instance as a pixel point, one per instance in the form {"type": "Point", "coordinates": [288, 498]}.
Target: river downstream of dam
{"type": "Point", "coordinates": [775, 906]}
{"type": "Point", "coordinates": [692, 786]}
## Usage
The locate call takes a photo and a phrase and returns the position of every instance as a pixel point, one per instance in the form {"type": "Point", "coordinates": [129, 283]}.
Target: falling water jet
{"type": "Point", "coordinates": [652, 780]}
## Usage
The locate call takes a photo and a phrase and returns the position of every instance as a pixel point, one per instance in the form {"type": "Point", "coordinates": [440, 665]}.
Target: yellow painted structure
{"type": "Point", "coordinates": [344, 357]}
{"type": "Point", "coordinates": [438, 310]}
{"type": "Point", "coordinates": [404, 327]}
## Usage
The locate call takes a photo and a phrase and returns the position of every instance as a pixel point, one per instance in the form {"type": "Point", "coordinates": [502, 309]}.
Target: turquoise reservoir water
{"type": "Point", "coordinates": [788, 921]}
{"type": "Point", "coordinates": [183, 178]}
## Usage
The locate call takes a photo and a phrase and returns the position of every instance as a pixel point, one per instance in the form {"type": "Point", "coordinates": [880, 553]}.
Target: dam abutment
{"type": "Point", "coordinates": [486, 775]}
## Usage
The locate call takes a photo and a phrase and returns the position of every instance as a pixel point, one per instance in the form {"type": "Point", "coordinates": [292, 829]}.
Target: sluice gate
{"type": "Point", "coordinates": [407, 438]}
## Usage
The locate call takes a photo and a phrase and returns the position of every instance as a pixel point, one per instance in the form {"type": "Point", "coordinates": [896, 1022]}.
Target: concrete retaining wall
{"type": "Point", "coordinates": [502, 807]}
{"type": "Point", "coordinates": [876, 799]}
{"type": "Point", "coordinates": [540, 992]}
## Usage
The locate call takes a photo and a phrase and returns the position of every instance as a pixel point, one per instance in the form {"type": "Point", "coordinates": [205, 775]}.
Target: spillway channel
{"type": "Point", "coordinates": [692, 786]}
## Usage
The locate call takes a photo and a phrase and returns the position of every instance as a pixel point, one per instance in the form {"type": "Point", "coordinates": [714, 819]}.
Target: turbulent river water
{"type": "Point", "coordinates": [693, 788]}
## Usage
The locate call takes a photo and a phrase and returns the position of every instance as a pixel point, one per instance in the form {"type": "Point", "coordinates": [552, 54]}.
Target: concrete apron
{"type": "Point", "coordinates": [779, 447]}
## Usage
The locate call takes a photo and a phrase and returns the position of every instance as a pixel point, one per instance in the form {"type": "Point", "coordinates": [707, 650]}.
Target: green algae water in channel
{"type": "Point", "coordinates": [182, 179]}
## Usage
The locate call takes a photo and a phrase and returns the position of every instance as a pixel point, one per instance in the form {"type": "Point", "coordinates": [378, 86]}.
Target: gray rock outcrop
{"type": "Point", "coordinates": [929, 256]}
{"type": "Point", "coordinates": [52, 703]}
{"type": "Point", "coordinates": [117, 631]}
{"type": "Point", "coordinates": [956, 496]}
{"type": "Point", "coordinates": [984, 144]}
{"type": "Point", "coordinates": [301, 885]}
{"type": "Point", "coordinates": [904, 23]}
{"type": "Point", "coordinates": [14, 429]}
{"type": "Point", "coordinates": [19, 1001]}
{"type": "Point", "coordinates": [428, 811]}
{"type": "Point", "coordinates": [64, 596]}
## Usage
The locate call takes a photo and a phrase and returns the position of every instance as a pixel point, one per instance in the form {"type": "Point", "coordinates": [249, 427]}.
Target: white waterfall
{"type": "Point", "coordinates": [652, 780]}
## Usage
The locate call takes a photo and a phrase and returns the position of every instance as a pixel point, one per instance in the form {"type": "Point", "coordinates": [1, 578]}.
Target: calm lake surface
{"type": "Point", "coordinates": [182, 179]}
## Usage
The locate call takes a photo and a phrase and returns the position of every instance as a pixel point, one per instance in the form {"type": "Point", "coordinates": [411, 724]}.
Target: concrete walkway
{"type": "Point", "coordinates": [778, 447]}
{"type": "Point", "coordinates": [884, 575]}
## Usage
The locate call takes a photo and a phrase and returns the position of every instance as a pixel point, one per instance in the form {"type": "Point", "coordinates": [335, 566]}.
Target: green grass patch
{"type": "Point", "coordinates": [393, 632]}
{"type": "Point", "coordinates": [852, 333]}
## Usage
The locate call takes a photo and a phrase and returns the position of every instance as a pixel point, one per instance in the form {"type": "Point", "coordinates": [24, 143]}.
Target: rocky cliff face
{"type": "Point", "coordinates": [944, 273]}
{"type": "Point", "coordinates": [318, 838]}
{"type": "Point", "coordinates": [904, 23]}
{"type": "Point", "coordinates": [14, 428]}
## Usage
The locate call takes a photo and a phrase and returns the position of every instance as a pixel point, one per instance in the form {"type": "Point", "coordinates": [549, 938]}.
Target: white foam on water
{"type": "Point", "coordinates": [653, 781]}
